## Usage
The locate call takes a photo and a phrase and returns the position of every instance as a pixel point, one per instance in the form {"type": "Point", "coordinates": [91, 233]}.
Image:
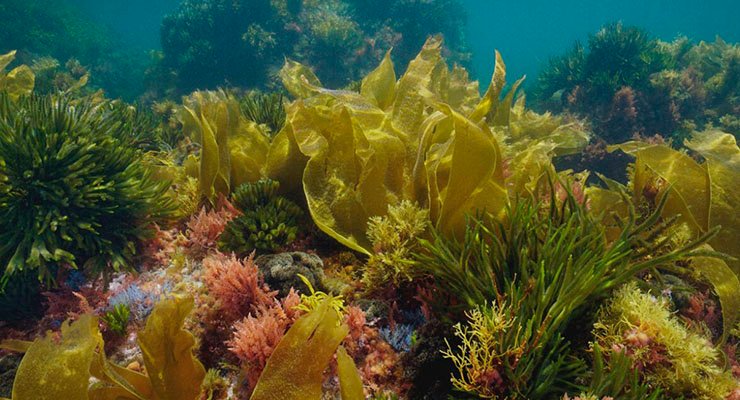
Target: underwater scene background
{"type": "Point", "coordinates": [365, 199]}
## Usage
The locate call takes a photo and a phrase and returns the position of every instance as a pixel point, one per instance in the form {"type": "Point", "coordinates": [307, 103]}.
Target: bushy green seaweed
{"type": "Point", "coordinates": [267, 223]}
{"type": "Point", "coordinates": [531, 276]}
{"type": "Point", "coordinates": [71, 193]}
{"type": "Point", "coordinates": [265, 108]}
{"type": "Point", "coordinates": [627, 83]}
{"type": "Point", "coordinates": [117, 318]}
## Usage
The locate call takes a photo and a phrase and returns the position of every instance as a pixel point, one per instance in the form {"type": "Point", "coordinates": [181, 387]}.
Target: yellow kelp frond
{"type": "Point", "coordinates": [73, 366]}
{"type": "Point", "coordinates": [679, 361]}
{"type": "Point", "coordinates": [233, 149]}
{"type": "Point", "coordinates": [528, 127]}
{"type": "Point", "coordinates": [17, 82]}
{"type": "Point", "coordinates": [350, 383]}
{"type": "Point", "coordinates": [490, 100]}
{"type": "Point", "coordinates": [417, 86]}
{"type": "Point", "coordinates": [298, 79]}
{"type": "Point", "coordinates": [379, 86]}
{"type": "Point", "coordinates": [167, 348]}
{"type": "Point", "coordinates": [722, 155]}
{"type": "Point", "coordinates": [295, 370]}
{"type": "Point", "coordinates": [59, 369]}
{"type": "Point", "coordinates": [424, 138]}
{"type": "Point", "coordinates": [659, 168]}
{"type": "Point", "coordinates": [701, 197]}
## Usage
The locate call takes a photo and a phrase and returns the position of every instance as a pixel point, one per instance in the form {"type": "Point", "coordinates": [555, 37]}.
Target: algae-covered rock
{"type": "Point", "coordinates": [281, 271]}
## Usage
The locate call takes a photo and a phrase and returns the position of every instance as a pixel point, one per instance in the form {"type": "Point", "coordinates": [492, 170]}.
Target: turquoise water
{"type": "Point", "coordinates": [528, 33]}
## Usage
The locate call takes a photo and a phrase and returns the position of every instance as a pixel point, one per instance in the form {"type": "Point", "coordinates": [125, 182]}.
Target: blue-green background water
{"type": "Point", "coordinates": [527, 33]}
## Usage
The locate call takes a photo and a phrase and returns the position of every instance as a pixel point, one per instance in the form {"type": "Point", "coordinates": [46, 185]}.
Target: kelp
{"type": "Point", "coordinates": [77, 356]}
{"type": "Point", "coordinates": [427, 137]}
{"type": "Point", "coordinates": [295, 370]}
{"type": "Point", "coordinates": [17, 82]}
{"type": "Point", "coordinates": [699, 195]}
{"type": "Point", "coordinates": [233, 150]}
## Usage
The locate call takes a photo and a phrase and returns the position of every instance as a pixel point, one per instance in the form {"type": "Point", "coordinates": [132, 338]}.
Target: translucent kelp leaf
{"type": "Point", "coordinates": [475, 175]}
{"type": "Point", "coordinates": [59, 367]}
{"type": "Point", "coordinates": [19, 81]}
{"type": "Point", "coordinates": [350, 383]}
{"type": "Point", "coordinates": [351, 175]}
{"type": "Point", "coordinates": [727, 286]}
{"type": "Point", "coordinates": [408, 108]}
{"type": "Point", "coordinates": [463, 94]}
{"type": "Point", "coordinates": [209, 160]}
{"type": "Point", "coordinates": [723, 164]}
{"type": "Point", "coordinates": [248, 148]}
{"type": "Point", "coordinates": [6, 59]}
{"type": "Point", "coordinates": [528, 167]}
{"type": "Point", "coordinates": [501, 115]}
{"type": "Point", "coordinates": [295, 369]}
{"type": "Point", "coordinates": [167, 349]}
{"type": "Point", "coordinates": [233, 150]}
{"type": "Point", "coordinates": [298, 79]}
{"type": "Point", "coordinates": [662, 168]}
{"type": "Point", "coordinates": [379, 86]}
{"type": "Point", "coordinates": [285, 162]}
{"type": "Point", "coordinates": [490, 100]}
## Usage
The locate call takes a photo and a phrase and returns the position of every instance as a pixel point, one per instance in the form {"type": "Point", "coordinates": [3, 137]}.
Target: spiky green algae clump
{"type": "Point", "coordinates": [541, 269]}
{"type": "Point", "coordinates": [268, 221]}
{"type": "Point", "coordinates": [70, 193]}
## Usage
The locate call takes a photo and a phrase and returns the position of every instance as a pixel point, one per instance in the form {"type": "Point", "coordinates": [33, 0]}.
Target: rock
{"type": "Point", "coordinates": [281, 271]}
{"type": "Point", "coordinates": [8, 367]}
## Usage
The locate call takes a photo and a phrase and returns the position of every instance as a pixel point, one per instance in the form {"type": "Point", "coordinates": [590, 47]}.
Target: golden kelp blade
{"type": "Point", "coordinates": [174, 372]}
{"type": "Point", "coordinates": [722, 156]}
{"type": "Point", "coordinates": [59, 370]}
{"type": "Point", "coordinates": [703, 196]}
{"type": "Point", "coordinates": [379, 86]}
{"type": "Point", "coordinates": [295, 369]}
{"type": "Point", "coordinates": [64, 368]}
{"type": "Point", "coordinates": [350, 383]}
{"type": "Point", "coordinates": [19, 81]}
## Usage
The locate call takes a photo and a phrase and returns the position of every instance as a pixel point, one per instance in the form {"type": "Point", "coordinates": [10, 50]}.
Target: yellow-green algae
{"type": "Point", "coordinates": [72, 365]}
{"type": "Point", "coordinates": [701, 195]}
{"type": "Point", "coordinates": [17, 82]}
{"type": "Point", "coordinates": [295, 369]}
{"type": "Point", "coordinates": [688, 364]}
{"type": "Point", "coordinates": [427, 137]}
